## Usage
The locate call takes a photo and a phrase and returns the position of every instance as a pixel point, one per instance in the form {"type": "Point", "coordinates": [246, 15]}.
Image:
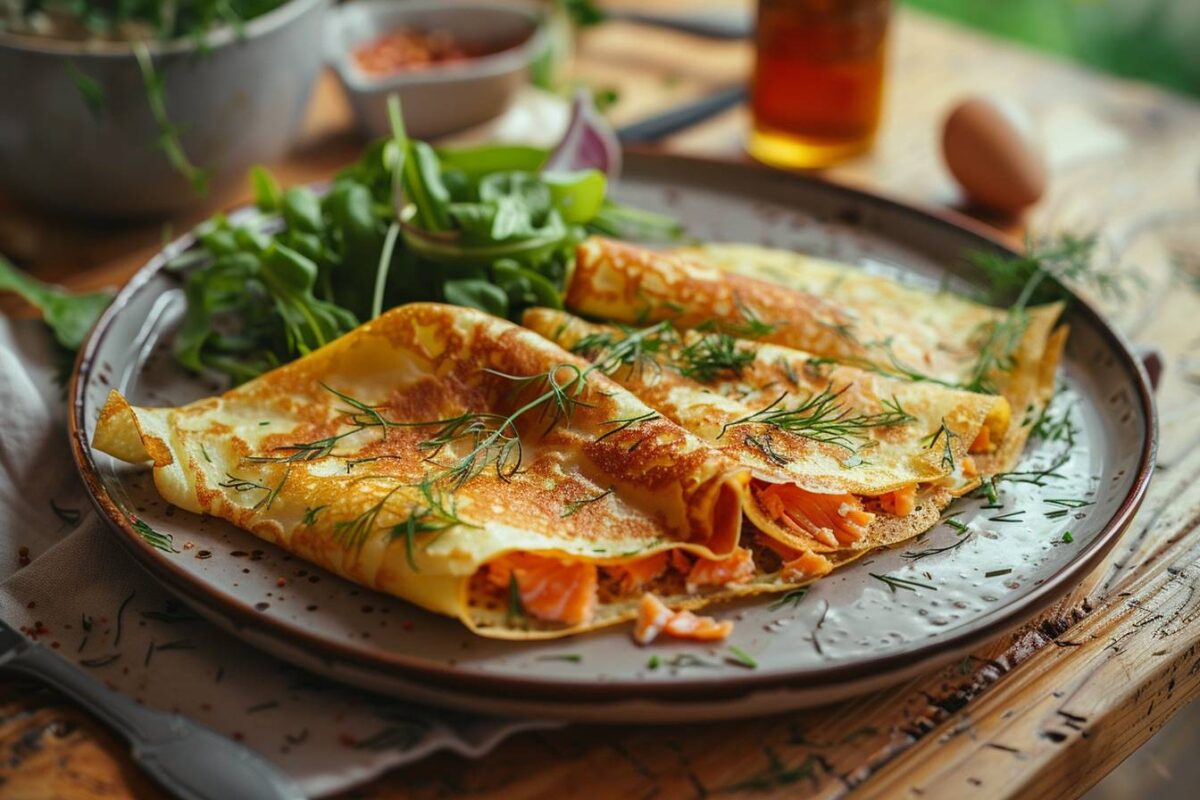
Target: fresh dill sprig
{"type": "Point", "coordinates": [945, 435]}
{"type": "Point", "coordinates": [765, 446]}
{"type": "Point", "coordinates": [157, 540]}
{"type": "Point", "coordinates": [894, 583]}
{"type": "Point", "coordinates": [789, 600]}
{"type": "Point", "coordinates": [245, 485]}
{"type": "Point", "coordinates": [310, 514]}
{"type": "Point", "coordinates": [712, 355]}
{"type": "Point", "coordinates": [434, 517]}
{"type": "Point", "coordinates": [626, 422]}
{"type": "Point", "coordinates": [628, 347]}
{"type": "Point", "coordinates": [574, 506]}
{"type": "Point", "coordinates": [1036, 277]}
{"type": "Point", "coordinates": [749, 324]}
{"type": "Point", "coordinates": [917, 555]}
{"type": "Point", "coordinates": [1059, 428]}
{"type": "Point", "coordinates": [1037, 477]}
{"type": "Point", "coordinates": [352, 533]}
{"type": "Point", "coordinates": [823, 418]}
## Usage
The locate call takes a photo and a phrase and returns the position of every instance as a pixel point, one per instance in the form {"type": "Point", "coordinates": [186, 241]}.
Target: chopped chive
{"type": "Point", "coordinates": [516, 611]}
{"type": "Point", "coordinates": [653, 663]}
{"type": "Point", "coordinates": [741, 657]}
{"type": "Point", "coordinates": [1067, 537]}
{"type": "Point", "coordinates": [997, 572]}
{"type": "Point", "coordinates": [791, 599]}
{"type": "Point", "coordinates": [1012, 516]}
{"type": "Point", "coordinates": [573, 658]}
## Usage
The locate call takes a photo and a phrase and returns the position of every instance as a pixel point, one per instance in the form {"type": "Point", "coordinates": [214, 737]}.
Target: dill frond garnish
{"type": "Point", "coordinates": [1037, 477]}
{"type": "Point", "coordinates": [789, 600]}
{"type": "Point", "coordinates": [627, 422]}
{"type": "Point", "coordinates": [432, 518]}
{"type": "Point", "coordinates": [1050, 428]}
{"type": "Point", "coordinates": [157, 540]}
{"type": "Point", "coordinates": [945, 435]}
{"type": "Point", "coordinates": [1037, 277]}
{"type": "Point", "coordinates": [310, 515]}
{"type": "Point", "coordinates": [352, 533]}
{"type": "Point", "coordinates": [711, 355]}
{"type": "Point", "coordinates": [917, 555]}
{"type": "Point", "coordinates": [894, 583]}
{"type": "Point", "coordinates": [823, 418]}
{"type": "Point", "coordinates": [748, 326]}
{"type": "Point", "coordinates": [574, 506]}
{"type": "Point", "coordinates": [764, 445]}
{"type": "Point", "coordinates": [628, 347]}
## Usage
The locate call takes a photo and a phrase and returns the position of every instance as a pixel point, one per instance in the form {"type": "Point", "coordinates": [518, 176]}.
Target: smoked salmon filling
{"type": "Point", "coordinates": [541, 590]}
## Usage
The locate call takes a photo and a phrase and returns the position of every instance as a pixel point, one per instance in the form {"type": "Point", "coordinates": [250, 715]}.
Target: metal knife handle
{"type": "Point", "coordinates": [682, 116]}
{"type": "Point", "coordinates": [712, 25]}
{"type": "Point", "coordinates": [187, 758]}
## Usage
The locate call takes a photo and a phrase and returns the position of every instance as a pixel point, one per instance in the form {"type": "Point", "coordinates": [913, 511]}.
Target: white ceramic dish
{"type": "Point", "coordinates": [851, 633]}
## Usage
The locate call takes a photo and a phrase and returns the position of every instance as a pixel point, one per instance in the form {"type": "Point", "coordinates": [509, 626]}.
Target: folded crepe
{"type": "Point", "coordinates": [843, 459]}
{"type": "Point", "coordinates": [832, 311]}
{"type": "Point", "coordinates": [469, 466]}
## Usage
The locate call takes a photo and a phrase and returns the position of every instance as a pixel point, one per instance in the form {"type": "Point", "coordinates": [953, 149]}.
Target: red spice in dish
{"type": "Point", "coordinates": [405, 48]}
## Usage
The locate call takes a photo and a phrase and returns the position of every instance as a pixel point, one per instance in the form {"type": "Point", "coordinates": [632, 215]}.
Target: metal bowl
{"type": "Point", "coordinates": [237, 101]}
{"type": "Point", "coordinates": [445, 98]}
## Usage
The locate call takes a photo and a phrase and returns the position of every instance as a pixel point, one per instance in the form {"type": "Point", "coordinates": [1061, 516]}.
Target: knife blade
{"type": "Point", "coordinates": [186, 758]}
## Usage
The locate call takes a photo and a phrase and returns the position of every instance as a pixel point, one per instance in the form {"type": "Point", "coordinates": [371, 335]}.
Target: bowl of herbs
{"type": "Point", "coordinates": [144, 108]}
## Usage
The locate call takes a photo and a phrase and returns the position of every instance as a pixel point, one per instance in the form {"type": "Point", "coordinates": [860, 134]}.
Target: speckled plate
{"type": "Point", "coordinates": [851, 633]}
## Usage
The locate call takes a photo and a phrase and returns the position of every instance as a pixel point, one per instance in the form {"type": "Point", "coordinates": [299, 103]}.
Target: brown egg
{"type": "Point", "coordinates": [991, 151]}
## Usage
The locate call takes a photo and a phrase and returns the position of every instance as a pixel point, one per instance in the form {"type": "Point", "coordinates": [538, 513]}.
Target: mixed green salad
{"type": "Point", "coordinates": [493, 227]}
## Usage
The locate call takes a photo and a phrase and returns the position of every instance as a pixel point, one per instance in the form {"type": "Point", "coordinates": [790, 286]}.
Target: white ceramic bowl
{"type": "Point", "coordinates": [445, 98]}
{"type": "Point", "coordinates": [237, 104]}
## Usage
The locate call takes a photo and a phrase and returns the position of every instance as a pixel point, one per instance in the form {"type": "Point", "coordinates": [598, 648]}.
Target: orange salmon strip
{"type": "Point", "coordinates": [654, 618]}
{"type": "Point", "coordinates": [831, 519]}
{"type": "Point", "coordinates": [636, 574]}
{"type": "Point", "coordinates": [798, 565]}
{"type": "Point", "coordinates": [983, 442]}
{"type": "Point", "coordinates": [901, 502]}
{"type": "Point", "coordinates": [550, 589]}
{"type": "Point", "coordinates": [737, 568]}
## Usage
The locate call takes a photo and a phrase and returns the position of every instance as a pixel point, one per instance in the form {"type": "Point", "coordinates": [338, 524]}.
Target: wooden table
{"type": "Point", "coordinates": [1049, 709]}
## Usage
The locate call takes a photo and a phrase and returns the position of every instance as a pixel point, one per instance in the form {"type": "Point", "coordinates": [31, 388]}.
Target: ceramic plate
{"type": "Point", "coordinates": [850, 633]}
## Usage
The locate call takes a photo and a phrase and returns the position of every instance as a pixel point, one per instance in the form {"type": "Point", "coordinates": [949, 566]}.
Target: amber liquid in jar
{"type": "Point", "coordinates": [818, 80]}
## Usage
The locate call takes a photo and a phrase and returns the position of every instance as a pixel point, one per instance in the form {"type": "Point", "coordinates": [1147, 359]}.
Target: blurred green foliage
{"type": "Point", "coordinates": [1154, 40]}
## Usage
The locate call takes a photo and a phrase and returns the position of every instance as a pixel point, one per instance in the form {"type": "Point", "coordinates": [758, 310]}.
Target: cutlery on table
{"type": "Point", "coordinates": [186, 758]}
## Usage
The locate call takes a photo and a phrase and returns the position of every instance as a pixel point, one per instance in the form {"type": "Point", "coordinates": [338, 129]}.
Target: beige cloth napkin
{"type": "Point", "coordinates": [66, 582]}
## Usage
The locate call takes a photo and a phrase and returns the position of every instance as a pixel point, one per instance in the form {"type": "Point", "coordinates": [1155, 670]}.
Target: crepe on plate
{"type": "Point", "coordinates": [467, 465]}
{"type": "Point", "coordinates": [831, 310]}
{"type": "Point", "coordinates": [843, 459]}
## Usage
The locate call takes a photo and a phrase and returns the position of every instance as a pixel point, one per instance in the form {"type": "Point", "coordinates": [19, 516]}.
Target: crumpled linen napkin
{"type": "Point", "coordinates": [67, 583]}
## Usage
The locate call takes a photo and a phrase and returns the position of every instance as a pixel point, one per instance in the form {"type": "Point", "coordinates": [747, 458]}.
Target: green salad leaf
{"type": "Point", "coordinates": [483, 227]}
{"type": "Point", "coordinates": [69, 316]}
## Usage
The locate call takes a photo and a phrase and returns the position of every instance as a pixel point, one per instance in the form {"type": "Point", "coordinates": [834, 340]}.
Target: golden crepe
{"type": "Point", "coordinates": [842, 458]}
{"type": "Point", "coordinates": [831, 311]}
{"type": "Point", "coordinates": [467, 465]}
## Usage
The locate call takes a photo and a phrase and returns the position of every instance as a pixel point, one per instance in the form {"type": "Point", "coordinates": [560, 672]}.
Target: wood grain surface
{"type": "Point", "coordinates": [1044, 712]}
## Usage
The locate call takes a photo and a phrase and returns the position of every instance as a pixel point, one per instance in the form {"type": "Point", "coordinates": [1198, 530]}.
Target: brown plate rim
{"type": "Point", "coordinates": [242, 615]}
